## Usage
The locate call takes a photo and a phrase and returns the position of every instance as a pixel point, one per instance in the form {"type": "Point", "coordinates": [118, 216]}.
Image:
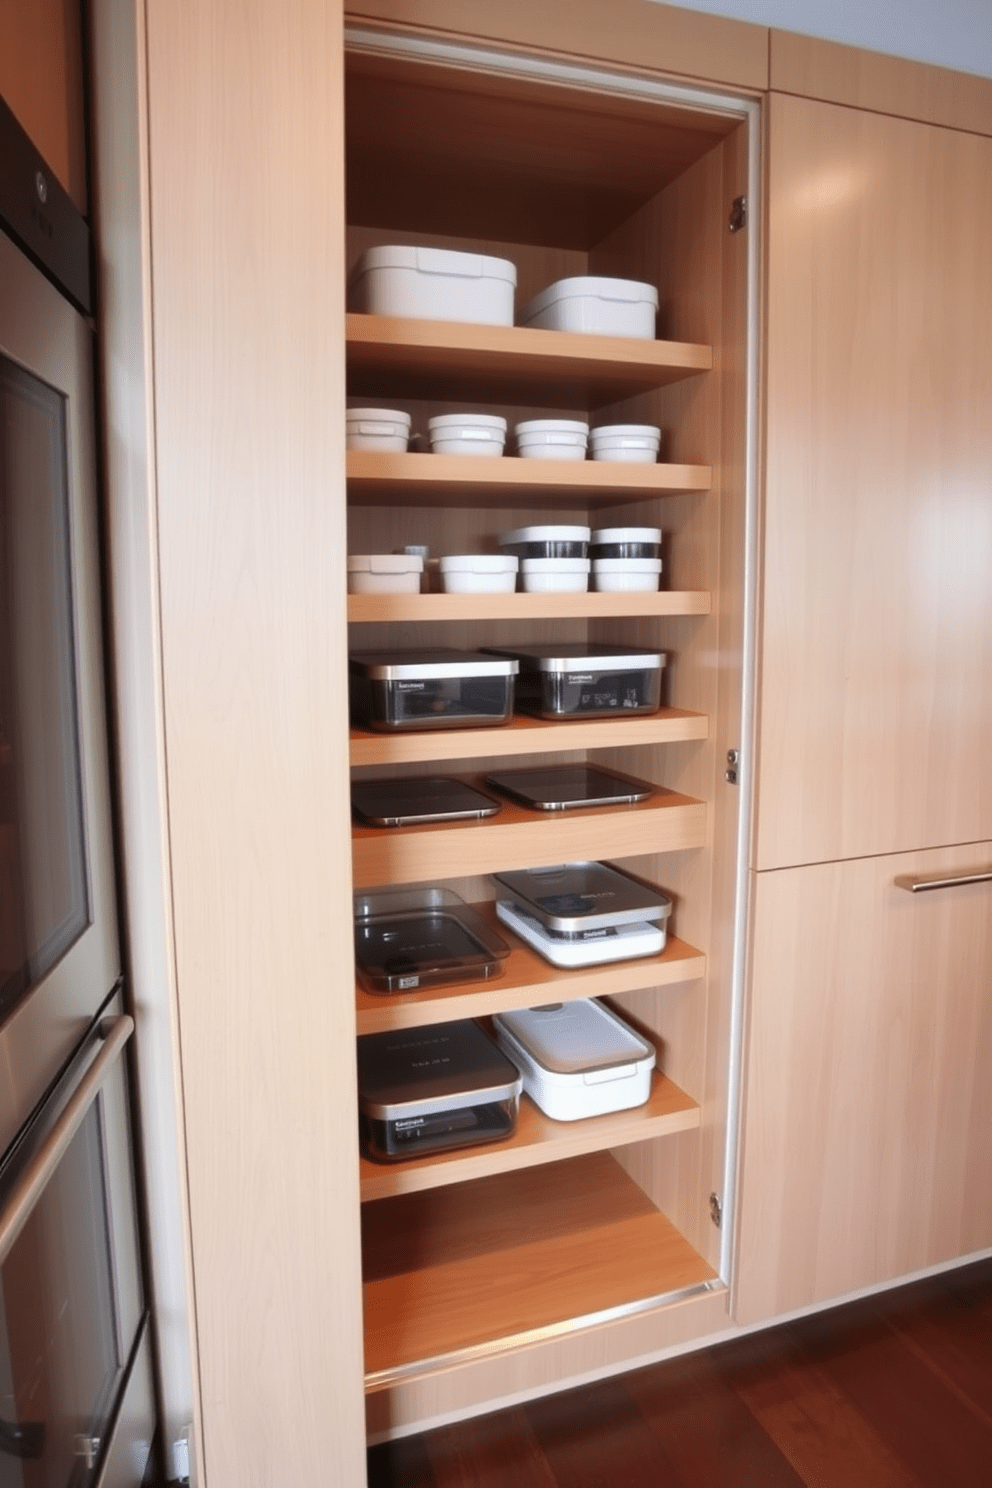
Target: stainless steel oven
{"type": "Point", "coordinates": [75, 1388]}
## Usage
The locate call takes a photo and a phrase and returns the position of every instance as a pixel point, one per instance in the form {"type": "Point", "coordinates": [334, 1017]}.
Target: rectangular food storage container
{"type": "Point", "coordinates": [577, 1059]}
{"type": "Point", "coordinates": [416, 799]}
{"type": "Point", "coordinates": [584, 897]}
{"type": "Point", "coordinates": [406, 939]}
{"type": "Point", "coordinates": [427, 1089]}
{"type": "Point", "coordinates": [384, 573]}
{"type": "Point", "coordinates": [433, 284]}
{"type": "Point", "coordinates": [478, 573]}
{"type": "Point", "coordinates": [625, 542]}
{"type": "Point", "coordinates": [583, 947]}
{"type": "Point", "coordinates": [612, 575]}
{"type": "Point", "coordinates": [554, 575]}
{"type": "Point", "coordinates": [595, 305]}
{"type": "Point", "coordinates": [383, 429]}
{"type": "Point", "coordinates": [430, 689]}
{"type": "Point", "coordinates": [577, 680]}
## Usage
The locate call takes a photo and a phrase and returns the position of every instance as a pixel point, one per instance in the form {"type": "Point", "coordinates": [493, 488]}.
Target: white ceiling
{"type": "Point", "coordinates": [951, 33]}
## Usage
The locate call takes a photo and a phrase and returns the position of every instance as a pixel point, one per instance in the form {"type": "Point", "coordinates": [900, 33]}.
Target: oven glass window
{"type": "Point", "coordinates": [60, 1352]}
{"type": "Point", "coordinates": [44, 904]}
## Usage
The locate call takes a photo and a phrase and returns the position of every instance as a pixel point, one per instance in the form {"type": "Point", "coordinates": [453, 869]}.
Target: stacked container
{"type": "Point", "coordinates": [553, 559]}
{"type": "Point", "coordinates": [552, 439]}
{"type": "Point", "coordinates": [626, 558]}
{"type": "Point", "coordinates": [384, 429]}
{"type": "Point", "coordinates": [627, 443]}
{"type": "Point", "coordinates": [467, 434]}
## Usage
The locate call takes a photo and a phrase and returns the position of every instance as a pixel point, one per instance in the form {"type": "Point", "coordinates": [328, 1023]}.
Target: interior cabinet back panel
{"type": "Point", "coordinates": [876, 681]}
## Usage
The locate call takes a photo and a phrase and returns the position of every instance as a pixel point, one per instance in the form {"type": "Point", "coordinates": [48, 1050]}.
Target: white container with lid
{"type": "Point", "coordinates": [577, 1059]}
{"type": "Point", "coordinates": [611, 575]}
{"type": "Point", "coordinates": [433, 284]}
{"type": "Point", "coordinates": [384, 573]}
{"type": "Point", "coordinates": [377, 429]}
{"type": "Point", "coordinates": [633, 443]}
{"type": "Point", "coordinates": [552, 439]}
{"type": "Point", "coordinates": [478, 573]}
{"type": "Point", "coordinates": [554, 575]}
{"type": "Point", "coordinates": [625, 542]}
{"type": "Point", "coordinates": [467, 434]}
{"type": "Point", "coordinates": [596, 306]}
{"type": "Point", "coordinates": [556, 541]}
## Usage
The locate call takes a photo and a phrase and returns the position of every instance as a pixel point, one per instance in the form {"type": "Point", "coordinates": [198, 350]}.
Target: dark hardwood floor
{"type": "Point", "coordinates": [891, 1392]}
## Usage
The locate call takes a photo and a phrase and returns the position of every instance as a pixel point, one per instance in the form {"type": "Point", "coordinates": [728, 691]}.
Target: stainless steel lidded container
{"type": "Point", "coordinates": [578, 680]}
{"type": "Point", "coordinates": [433, 688]}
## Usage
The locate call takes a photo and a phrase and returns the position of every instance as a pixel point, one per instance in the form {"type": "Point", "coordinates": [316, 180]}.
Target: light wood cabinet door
{"type": "Point", "coordinates": [867, 1140]}
{"type": "Point", "coordinates": [876, 653]}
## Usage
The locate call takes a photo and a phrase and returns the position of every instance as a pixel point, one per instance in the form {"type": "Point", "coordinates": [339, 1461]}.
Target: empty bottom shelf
{"type": "Point", "coordinates": [457, 1268]}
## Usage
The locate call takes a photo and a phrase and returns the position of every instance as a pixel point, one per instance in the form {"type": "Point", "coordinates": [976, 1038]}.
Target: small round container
{"type": "Point", "coordinates": [546, 542]}
{"type": "Point", "coordinates": [610, 575]}
{"type": "Point", "coordinates": [384, 573]}
{"type": "Point", "coordinates": [386, 429]}
{"type": "Point", "coordinates": [631, 443]}
{"type": "Point", "coordinates": [478, 573]}
{"type": "Point", "coordinates": [467, 434]}
{"type": "Point", "coordinates": [552, 439]}
{"type": "Point", "coordinates": [625, 542]}
{"type": "Point", "coordinates": [554, 575]}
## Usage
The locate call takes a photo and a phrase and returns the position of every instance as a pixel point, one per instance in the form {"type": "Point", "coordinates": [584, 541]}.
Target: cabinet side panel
{"type": "Point", "coordinates": [661, 37]}
{"type": "Point", "coordinates": [877, 626]}
{"type": "Point", "coordinates": [248, 260]}
{"type": "Point", "coordinates": [871, 80]}
{"type": "Point", "coordinates": [868, 1097]}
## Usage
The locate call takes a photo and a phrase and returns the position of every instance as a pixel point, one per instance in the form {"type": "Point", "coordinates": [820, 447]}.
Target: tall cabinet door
{"type": "Point", "coordinates": [876, 690]}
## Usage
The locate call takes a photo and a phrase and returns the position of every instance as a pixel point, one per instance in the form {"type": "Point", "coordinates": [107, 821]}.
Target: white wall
{"type": "Point", "coordinates": [951, 33]}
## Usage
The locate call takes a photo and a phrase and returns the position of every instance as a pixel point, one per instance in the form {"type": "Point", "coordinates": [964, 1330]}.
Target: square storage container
{"type": "Point", "coordinates": [581, 948]}
{"type": "Point", "coordinates": [478, 573]}
{"type": "Point", "coordinates": [428, 1089]}
{"type": "Point", "coordinates": [585, 897]}
{"type": "Point", "coordinates": [595, 305]}
{"type": "Point", "coordinates": [467, 434]}
{"type": "Point", "coordinates": [577, 680]}
{"type": "Point", "coordinates": [554, 575]}
{"type": "Point", "coordinates": [384, 429]}
{"type": "Point", "coordinates": [629, 444]}
{"type": "Point", "coordinates": [406, 939]}
{"type": "Point", "coordinates": [433, 284]}
{"type": "Point", "coordinates": [551, 439]}
{"type": "Point", "coordinates": [384, 573]}
{"type": "Point", "coordinates": [430, 689]}
{"type": "Point", "coordinates": [625, 542]}
{"type": "Point", "coordinates": [611, 575]}
{"type": "Point", "coordinates": [577, 1059]}
{"type": "Point", "coordinates": [558, 540]}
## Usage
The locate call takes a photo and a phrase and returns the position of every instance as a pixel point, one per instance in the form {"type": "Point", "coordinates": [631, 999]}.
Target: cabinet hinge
{"type": "Point", "coordinates": [716, 1210]}
{"type": "Point", "coordinates": [733, 760]}
{"type": "Point", "coordinates": [738, 214]}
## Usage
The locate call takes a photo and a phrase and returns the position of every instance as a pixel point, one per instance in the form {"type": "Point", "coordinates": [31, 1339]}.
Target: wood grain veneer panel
{"type": "Point", "coordinates": [389, 357]}
{"type": "Point", "coordinates": [245, 124]}
{"type": "Point", "coordinates": [665, 822]}
{"type": "Point", "coordinates": [628, 32]}
{"type": "Point", "coordinates": [466, 480]}
{"type": "Point", "coordinates": [454, 1267]}
{"type": "Point", "coordinates": [41, 81]}
{"type": "Point", "coordinates": [872, 80]}
{"type": "Point", "coordinates": [526, 981]}
{"type": "Point", "coordinates": [587, 604]}
{"type": "Point", "coordinates": [876, 655]}
{"type": "Point", "coordinates": [537, 1140]}
{"type": "Point", "coordinates": [868, 1100]}
{"type": "Point", "coordinates": [524, 735]}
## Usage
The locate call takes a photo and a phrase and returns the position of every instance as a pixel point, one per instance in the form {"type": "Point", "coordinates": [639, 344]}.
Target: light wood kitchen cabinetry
{"type": "Point", "coordinates": [869, 1099]}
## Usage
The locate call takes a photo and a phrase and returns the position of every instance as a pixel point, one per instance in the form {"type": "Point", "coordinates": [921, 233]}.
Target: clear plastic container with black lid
{"type": "Point", "coordinates": [427, 1089]}
{"type": "Point", "coordinates": [435, 688]}
{"type": "Point", "coordinates": [406, 939]}
{"type": "Point", "coordinates": [579, 680]}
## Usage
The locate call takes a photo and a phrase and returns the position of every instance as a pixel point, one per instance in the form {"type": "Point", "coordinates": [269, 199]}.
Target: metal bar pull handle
{"type": "Point", "coordinates": [918, 883]}
{"type": "Point", "coordinates": [18, 1209]}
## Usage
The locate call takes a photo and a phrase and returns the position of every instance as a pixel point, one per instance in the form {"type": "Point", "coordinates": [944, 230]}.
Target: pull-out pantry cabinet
{"type": "Point", "coordinates": [572, 1248]}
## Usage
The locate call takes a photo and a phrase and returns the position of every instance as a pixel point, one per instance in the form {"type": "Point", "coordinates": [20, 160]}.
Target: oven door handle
{"type": "Point", "coordinates": [115, 1033]}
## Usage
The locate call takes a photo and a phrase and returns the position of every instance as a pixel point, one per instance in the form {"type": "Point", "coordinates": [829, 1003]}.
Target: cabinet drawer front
{"type": "Point", "coordinates": [868, 1099]}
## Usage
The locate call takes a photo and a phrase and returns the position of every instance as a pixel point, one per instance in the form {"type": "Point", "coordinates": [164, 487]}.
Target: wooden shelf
{"type": "Point", "coordinates": [524, 735]}
{"type": "Point", "coordinates": [456, 1268]}
{"type": "Point", "coordinates": [376, 479]}
{"type": "Point", "coordinates": [527, 981]}
{"type": "Point", "coordinates": [389, 357]}
{"type": "Point", "coordinates": [366, 609]}
{"type": "Point", "coordinates": [536, 1140]}
{"type": "Point", "coordinates": [666, 822]}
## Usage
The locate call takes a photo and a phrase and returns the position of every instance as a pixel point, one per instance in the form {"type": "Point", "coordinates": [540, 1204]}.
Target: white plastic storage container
{"type": "Point", "coordinates": [386, 429]}
{"type": "Point", "coordinates": [577, 1059]}
{"type": "Point", "coordinates": [631, 443]}
{"type": "Point", "coordinates": [433, 284]}
{"type": "Point", "coordinates": [384, 573]}
{"type": "Point", "coordinates": [554, 575]}
{"type": "Point", "coordinates": [478, 573]}
{"type": "Point", "coordinates": [625, 542]}
{"type": "Point", "coordinates": [626, 575]}
{"type": "Point", "coordinates": [597, 306]}
{"type": "Point", "coordinates": [467, 434]}
{"type": "Point", "coordinates": [556, 541]}
{"type": "Point", "coordinates": [552, 439]}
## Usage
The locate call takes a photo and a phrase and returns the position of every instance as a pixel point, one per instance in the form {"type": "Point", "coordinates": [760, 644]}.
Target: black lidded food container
{"type": "Point", "coordinates": [579, 680]}
{"type": "Point", "coordinates": [427, 1089]}
{"type": "Point", "coordinates": [435, 688]}
{"type": "Point", "coordinates": [406, 939]}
